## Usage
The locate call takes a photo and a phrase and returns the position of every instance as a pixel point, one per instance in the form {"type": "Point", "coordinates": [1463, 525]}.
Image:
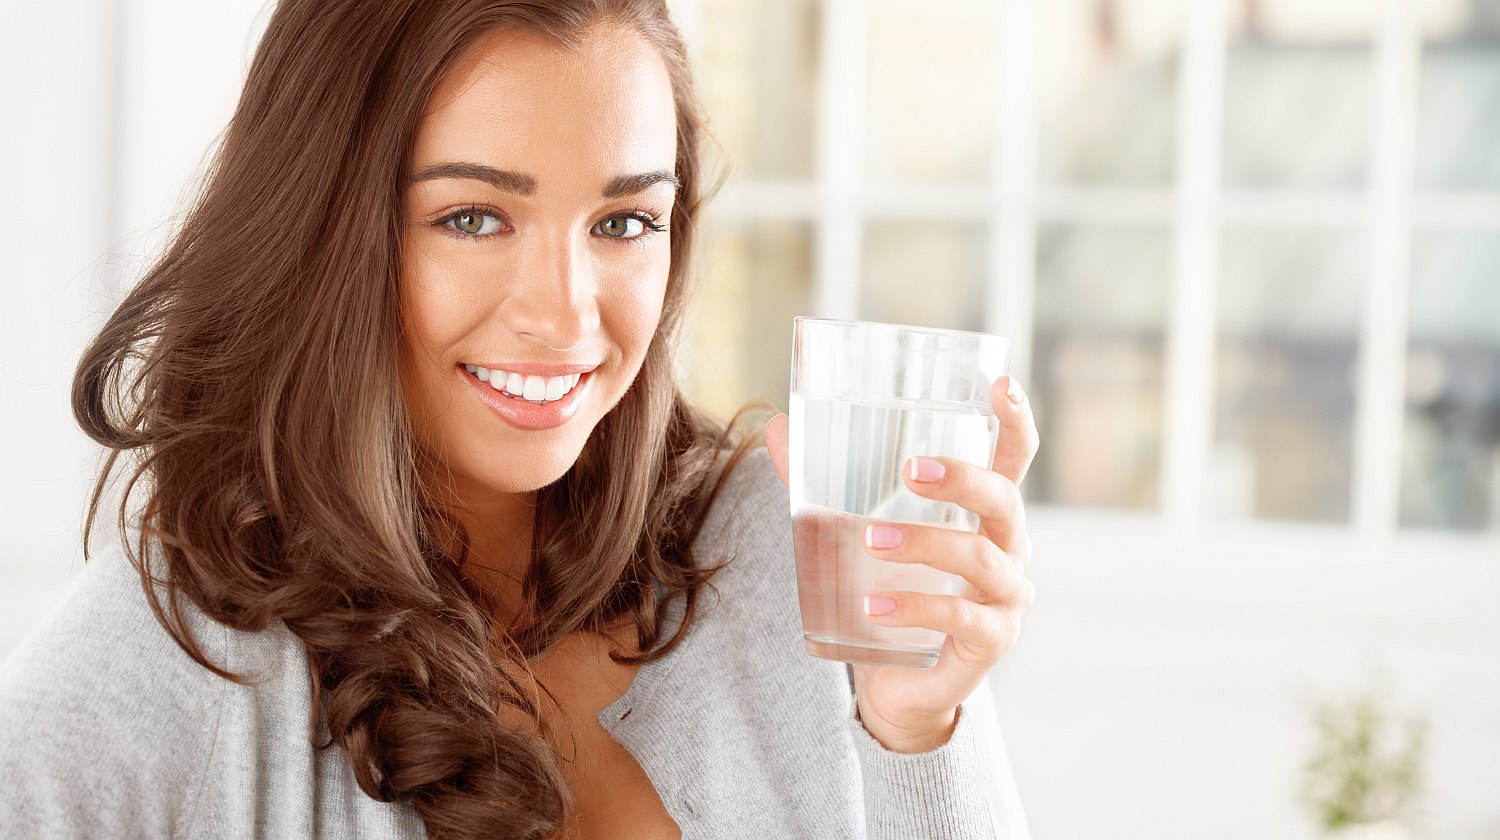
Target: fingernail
{"type": "Point", "coordinates": [1013, 391]}
{"type": "Point", "coordinates": [879, 605]}
{"type": "Point", "coordinates": [926, 470]}
{"type": "Point", "coordinates": [884, 536]}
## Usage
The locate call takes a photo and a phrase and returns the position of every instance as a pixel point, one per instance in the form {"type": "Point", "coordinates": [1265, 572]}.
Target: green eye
{"type": "Point", "coordinates": [621, 227]}
{"type": "Point", "coordinates": [472, 222]}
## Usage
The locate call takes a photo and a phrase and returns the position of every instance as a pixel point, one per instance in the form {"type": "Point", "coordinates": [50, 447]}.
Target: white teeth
{"type": "Point", "coordinates": [536, 389]}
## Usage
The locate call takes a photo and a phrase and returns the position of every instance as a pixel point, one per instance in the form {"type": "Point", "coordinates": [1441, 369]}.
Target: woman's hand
{"type": "Point", "coordinates": [910, 710]}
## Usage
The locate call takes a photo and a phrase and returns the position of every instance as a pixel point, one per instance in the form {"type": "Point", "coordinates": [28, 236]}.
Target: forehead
{"type": "Point", "coordinates": [519, 102]}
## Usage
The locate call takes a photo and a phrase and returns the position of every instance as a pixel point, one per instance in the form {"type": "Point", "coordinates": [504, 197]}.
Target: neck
{"type": "Point", "coordinates": [499, 529]}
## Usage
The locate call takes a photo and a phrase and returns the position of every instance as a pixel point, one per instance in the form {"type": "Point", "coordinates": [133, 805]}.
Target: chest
{"type": "Point", "coordinates": [613, 796]}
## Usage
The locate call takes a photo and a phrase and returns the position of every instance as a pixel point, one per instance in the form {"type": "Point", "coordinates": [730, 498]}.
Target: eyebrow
{"type": "Point", "coordinates": [624, 185]}
{"type": "Point", "coordinates": [525, 185]}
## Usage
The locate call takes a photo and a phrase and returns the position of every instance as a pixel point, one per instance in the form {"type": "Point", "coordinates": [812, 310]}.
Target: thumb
{"type": "Point", "coordinates": [776, 444]}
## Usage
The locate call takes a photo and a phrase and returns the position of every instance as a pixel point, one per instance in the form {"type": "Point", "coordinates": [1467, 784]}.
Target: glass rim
{"type": "Point", "coordinates": [907, 328]}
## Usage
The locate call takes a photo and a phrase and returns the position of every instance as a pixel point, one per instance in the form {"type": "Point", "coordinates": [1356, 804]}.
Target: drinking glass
{"type": "Point", "coordinates": [865, 398]}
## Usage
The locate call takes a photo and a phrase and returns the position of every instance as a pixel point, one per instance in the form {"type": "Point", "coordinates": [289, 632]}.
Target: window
{"type": "Point", "coordinates": [1249, 252]}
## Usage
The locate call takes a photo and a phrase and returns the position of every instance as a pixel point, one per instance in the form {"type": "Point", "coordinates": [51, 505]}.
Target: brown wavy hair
{"type": "Point", "coordinates": [252, 376]}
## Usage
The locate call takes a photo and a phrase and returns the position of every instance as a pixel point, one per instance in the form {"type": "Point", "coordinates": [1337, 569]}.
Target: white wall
{"type": "Point", "coordinates": [109, 109]}
{"type": "Point", "coordinates": [55, 220]}
{"type": "Point", "coordinates": [1163, 682]}
{"type": "Point", "coordinates": [1159, 688]}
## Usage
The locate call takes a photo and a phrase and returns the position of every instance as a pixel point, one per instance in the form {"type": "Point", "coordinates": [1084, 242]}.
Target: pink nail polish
{"type": "Point", "coordinates": [926, 470]}
{"type": "Point", "coordinates": [1015, 394]}
{"type": "Point", "coordinates": [879, 605]}
{"type": "Point", "coordinates": [884, 536]}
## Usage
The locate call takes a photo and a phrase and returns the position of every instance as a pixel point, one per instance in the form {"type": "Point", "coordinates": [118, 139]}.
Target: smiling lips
{"type": "Point", "coordinates": [538, 390]}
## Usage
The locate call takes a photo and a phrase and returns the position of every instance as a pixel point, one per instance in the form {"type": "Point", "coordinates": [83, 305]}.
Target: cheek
{"type": "Point", "coordinates": [635, 307]}
{"type": "Point", "coordinates": [431, 310]}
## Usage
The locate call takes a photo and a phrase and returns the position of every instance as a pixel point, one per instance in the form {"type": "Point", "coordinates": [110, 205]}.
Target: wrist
{"type": "Point", "coordinates": [910, 737]}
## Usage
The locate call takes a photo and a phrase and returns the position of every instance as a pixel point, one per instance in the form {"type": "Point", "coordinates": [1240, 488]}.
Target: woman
{"type": "Point", "coordinates": [420, 525]}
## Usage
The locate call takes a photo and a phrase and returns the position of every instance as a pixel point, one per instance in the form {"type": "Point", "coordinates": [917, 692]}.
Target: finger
{"type": "Point", "coordinates": [985, 633]}
{"type": "Point", "coordinates": [776, 444]}
{"type": "Point", "coordinates": [994, 497]}
{"type": "Point", "coordinates": [972, 557]}
{"type": "Point", "coordinates": [1018, 440]}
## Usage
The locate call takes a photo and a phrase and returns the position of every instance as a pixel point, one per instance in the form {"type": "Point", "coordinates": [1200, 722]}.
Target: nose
{"type": "Point", "coordinates": [554, 293]}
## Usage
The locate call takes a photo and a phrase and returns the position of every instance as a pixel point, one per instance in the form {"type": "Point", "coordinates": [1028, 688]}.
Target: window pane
{"type": "Point", "coordinates": [1101, 299]}
{"type": "Point", "coordinates": [1458, 125]}
{"type": "Point", "coordinates": [930, 102]}
{"type": "Point", "coordinates": [929, 274]}
{"type": "Point", "coordinates": [1298, 94]}
{"type": "Point", "coordinates": [737, 340]}
{"type": "Point", "coordinates": [1288, 314]}
{"type": "Point", "coordinates": [759, 83]}
{"type": "Point", "coordinates": [1451, 451]}
{"type": "Point", "coordinates": [1109, 90]}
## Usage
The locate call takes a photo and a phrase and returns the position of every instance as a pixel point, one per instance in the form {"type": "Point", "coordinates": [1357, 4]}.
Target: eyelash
{"type": "Point", "coordinates": [646, 219]}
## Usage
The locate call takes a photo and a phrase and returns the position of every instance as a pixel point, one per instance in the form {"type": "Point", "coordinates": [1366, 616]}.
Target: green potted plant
{"type": "Point", "coordinates": [1366, 768]}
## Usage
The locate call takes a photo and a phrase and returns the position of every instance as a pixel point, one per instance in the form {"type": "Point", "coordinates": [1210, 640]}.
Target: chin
{"type": "Point", "coordinates": [523, 473]}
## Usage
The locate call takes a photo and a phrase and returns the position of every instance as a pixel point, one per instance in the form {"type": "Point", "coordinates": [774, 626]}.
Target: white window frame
{"type": "Point", "coordinates": [1195, 207]}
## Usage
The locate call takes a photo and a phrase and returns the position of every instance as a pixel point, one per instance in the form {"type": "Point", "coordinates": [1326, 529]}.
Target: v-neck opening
{"type": "Point", "coordinates": [651, 676]}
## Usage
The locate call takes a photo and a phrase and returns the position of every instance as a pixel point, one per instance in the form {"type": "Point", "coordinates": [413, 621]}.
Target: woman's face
{"type": "Point", "coordinates": [538, 176]}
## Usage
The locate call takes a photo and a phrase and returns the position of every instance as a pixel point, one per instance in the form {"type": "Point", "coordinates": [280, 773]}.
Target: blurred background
{"type": "Point", "coordinates": [1248, 252]}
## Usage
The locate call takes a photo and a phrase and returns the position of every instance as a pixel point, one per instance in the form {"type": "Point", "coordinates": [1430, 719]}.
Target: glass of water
{"type": "Point", "coordinates": [865, 398]}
